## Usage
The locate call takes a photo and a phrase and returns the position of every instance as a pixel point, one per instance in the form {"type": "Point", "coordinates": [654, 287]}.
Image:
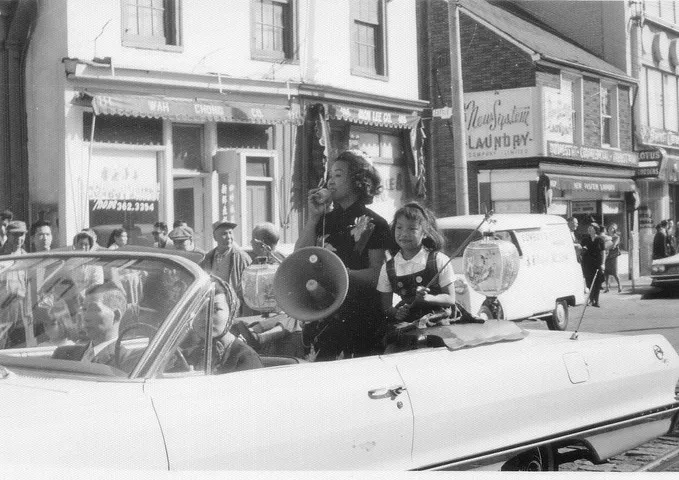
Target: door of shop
{"type": "Point", "coordinates": [189, 206]}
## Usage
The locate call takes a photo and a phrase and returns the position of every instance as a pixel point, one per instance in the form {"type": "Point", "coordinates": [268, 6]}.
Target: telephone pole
{"type": "Point", "coordinates": [459, 130]}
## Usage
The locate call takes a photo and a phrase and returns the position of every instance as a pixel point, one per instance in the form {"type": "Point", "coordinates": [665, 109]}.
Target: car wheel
{"type": "Point", "coordinates": [535, 460]}
{"type": "Point", "coordinates": [559, 318]}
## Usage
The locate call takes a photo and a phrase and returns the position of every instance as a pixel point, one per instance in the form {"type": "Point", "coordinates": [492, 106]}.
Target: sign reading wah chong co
{"type": "Point", "coordinates": [499, 124]}
{"type": "Point", "coordinates": [201, 110]}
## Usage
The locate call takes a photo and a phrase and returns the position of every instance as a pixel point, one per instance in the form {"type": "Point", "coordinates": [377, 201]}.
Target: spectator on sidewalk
{"type": "Point", "coordinates": [160, 236]}
{"type": "Point", "coordinates": [41, 236]}
{"type": "Point", "coordinates": [660, 241]}
{"type": "Point", "coordinates": [5, 217]}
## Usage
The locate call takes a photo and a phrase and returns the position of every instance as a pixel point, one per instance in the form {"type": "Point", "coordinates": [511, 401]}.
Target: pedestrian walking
{"type": "Point", "coordinates": [612, 254]}
{"type": "Point", "coordinates": [660, 241]}
{"type": "Point", "coordinates": [593, 261]}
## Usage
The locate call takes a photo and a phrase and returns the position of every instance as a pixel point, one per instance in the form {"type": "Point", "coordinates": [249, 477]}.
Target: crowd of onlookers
{"type": "Point", "coordinates": [665, 240]}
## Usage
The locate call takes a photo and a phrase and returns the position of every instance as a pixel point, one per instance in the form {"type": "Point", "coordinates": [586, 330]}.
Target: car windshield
{"type": "Point", "coordinates": [77, 313]}
{"type": "Point", "coordinates": [456, 237]}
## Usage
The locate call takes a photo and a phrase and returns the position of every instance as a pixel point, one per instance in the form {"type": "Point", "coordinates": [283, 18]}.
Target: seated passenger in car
{"type": "Point", "coordinates": [59, 327]}
{"type": "Point", "coordinates": [229, 354]}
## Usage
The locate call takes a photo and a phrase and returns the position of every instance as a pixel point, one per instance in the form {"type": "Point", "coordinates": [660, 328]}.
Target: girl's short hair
{"type": "Point", "coordinates": [365, 179]}
{"type": "Point", "coordinates": [433, 239]}
{"type": "Point", "coordinates": [83, 236]}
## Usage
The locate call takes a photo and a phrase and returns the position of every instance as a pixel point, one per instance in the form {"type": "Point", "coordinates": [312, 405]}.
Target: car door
{"type": "Point", "coordinates": [319, 416]}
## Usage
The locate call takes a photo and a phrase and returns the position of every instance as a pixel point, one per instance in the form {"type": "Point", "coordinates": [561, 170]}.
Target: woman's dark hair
{"type": "Point", "coordinates": [366, 182]}
{"type": "Point", "coordinates": [597, 228]}
{"type": "Point", "coordinates": [433, 239]}
{"type": "Point", "coordinates": [115, 233]}
{"type": "Point", "coordinates": [83, 235]}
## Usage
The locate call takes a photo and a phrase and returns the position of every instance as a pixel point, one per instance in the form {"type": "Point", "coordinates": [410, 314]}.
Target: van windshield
{"type": "Point", "coordinates": [456, 237]}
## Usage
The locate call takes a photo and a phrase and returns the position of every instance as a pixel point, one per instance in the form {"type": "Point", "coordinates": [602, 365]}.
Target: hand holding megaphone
{"type": "Point", "coordinates": [319, 200]}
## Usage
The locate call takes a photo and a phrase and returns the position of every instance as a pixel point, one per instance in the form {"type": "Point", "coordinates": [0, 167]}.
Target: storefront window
{"type": "Point", "coordinates": [383, 147]}
{"type": "Point", "coordinates": [187, 145]}
{"type": "Point", "coordinates": [119, 129]}
{"type": "Point", "coordinates": [244, 135]}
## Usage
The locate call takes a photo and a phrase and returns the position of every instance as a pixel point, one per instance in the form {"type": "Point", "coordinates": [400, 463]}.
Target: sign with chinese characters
{"type": "Point", "coordinates": [655, 136]}
{"type": "Point", "coordinates": [123, 190]}
{"type": "Point", "coordinates": [499, 124]}
{"type": "Point", "coordinates": [591, 154]}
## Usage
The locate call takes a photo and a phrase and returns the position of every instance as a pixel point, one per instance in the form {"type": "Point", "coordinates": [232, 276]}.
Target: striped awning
{"type": "Point", "coordinates": [193, 109]}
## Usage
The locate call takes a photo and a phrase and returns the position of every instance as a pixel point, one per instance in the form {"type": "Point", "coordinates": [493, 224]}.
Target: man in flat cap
{"type": "Point", "coordinates": [16, 328]}
{"type": "Point", "coordinates": [182, 237]}
{"type": "Point", "coordinates": [16, 237]}
{"type": "Point", "coordinates": [227, 260]}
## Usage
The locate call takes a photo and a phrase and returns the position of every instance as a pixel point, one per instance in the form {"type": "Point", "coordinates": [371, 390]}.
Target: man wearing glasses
{"type": "Point", "coordinates": [160, 237]}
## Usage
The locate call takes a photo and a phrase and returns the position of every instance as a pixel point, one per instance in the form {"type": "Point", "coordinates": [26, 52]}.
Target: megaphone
{"type": "Point", "coordinates": [311, 284]}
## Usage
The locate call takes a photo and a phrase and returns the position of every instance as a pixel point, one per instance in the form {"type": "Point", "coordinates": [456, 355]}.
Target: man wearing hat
{"type": "Point", "coordinates": [16, 236]}
{"type": "Point", "coordinates": [182, 237]}
{"type": "Point", "coordinates": [227, 260]}
{"type": "Point", "coordinates": [17, 324]}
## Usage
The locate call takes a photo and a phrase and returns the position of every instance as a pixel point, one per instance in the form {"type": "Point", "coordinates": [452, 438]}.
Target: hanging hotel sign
{"type": "Point", "coordinates": [591, 154]}
{"type": "Point", "coordinates": [369, 116]}
{"type": "Point", "coordinates": [500, 124]}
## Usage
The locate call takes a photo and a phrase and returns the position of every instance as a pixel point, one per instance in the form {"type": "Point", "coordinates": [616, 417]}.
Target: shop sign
{"type": "Point", "coordinates": [650, 163]}
{"type": "Point", "coordinates": [499, 124]}
{"type": "Point", "coordinates": [558, 118]}
{"type": "Point", "coordinates": [368, 116]}
{"type": "Point", "coordinates": [581, 208]}
{"type": "Point", "coordinates": [591, 154]}
{"type": "Point", "coordinates": [656, 136]}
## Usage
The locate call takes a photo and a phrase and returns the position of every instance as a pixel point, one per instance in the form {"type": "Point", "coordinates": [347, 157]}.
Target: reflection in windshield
{"type": "Point", "coordinates": [75, 307]}
{"type": "Point", "coordinates": [456, 237]}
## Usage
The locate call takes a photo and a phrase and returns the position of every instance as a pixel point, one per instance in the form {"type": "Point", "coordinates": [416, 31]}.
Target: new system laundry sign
{"type": "Point", "coordinates": [500, 124]}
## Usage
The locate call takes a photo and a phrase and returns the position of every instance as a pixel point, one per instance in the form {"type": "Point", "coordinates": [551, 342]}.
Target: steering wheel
{"type": "Point", "coordinates": [151, 330]}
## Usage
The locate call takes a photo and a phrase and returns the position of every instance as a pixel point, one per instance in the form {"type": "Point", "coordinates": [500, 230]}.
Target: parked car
{"type": "Point", "coordinates": [665, 272]}
{"type": "Point", "coordinates": [467, 396]}
{"type": "Point", "coordinates": [549, 280]}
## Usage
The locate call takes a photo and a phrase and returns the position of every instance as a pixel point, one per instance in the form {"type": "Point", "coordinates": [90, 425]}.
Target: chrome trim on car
{"type": "Point", "coordinates": [562, 439]}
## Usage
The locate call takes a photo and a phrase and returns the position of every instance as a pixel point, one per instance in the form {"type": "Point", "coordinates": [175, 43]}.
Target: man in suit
{"type": "Point", "coordinates": [104, 306]}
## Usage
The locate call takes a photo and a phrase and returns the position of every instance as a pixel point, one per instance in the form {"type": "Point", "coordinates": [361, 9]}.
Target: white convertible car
{"type": "Point", "coordinates": [468, 396]}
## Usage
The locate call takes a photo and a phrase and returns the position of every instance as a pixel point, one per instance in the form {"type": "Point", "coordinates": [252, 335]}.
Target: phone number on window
{"type": "Point", "coordinates": [123, 206]}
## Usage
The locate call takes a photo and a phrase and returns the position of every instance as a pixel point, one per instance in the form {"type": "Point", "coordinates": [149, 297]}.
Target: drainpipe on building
{"type": "Point", "coordinates": [636, 23]}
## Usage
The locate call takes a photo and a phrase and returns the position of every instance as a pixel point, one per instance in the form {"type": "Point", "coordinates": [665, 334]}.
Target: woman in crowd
{"type": "Point", "coordinates": [612, 254]}
{"type": "Point", "coordinates": [117, 239]}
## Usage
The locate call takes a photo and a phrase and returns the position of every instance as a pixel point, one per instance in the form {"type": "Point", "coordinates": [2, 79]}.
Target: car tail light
{"type": "Point", "coordinates": [657, 268]}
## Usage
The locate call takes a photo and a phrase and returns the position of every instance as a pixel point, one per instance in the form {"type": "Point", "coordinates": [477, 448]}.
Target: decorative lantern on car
{"type": "Point", "coordinates": [258, 287]}
{"type": "Point", "coordinates": [490, 267]}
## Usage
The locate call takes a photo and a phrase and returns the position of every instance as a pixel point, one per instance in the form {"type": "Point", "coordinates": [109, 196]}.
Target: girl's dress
{"type": "Point", "coordinates": [403, 277]}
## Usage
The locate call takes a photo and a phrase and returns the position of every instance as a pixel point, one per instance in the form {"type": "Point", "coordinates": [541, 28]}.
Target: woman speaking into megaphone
{"type": "Point", "coordinates": [339, 220]}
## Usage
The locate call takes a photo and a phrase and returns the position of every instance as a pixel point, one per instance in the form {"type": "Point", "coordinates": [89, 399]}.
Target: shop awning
{"type": "Point", "coordinates": [371, 116]}
{"type": "Point", "coordinates": [590, 184]}
{"type": "Point", "coordinates": [192, 109]}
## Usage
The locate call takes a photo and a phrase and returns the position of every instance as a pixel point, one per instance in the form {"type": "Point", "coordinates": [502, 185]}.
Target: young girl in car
{"type": "Point", "coordinates": [417, 261]}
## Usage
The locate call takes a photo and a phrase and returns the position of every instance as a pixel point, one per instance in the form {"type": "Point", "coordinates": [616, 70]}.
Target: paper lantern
{"type": "Point", "coordinates": [258, 287]}
{"type": "Point", "coordinates": [491, 265]}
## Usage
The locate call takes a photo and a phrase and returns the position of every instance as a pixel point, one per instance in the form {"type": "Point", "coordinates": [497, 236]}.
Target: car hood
{"type": "Point", "coordinates": [667, 260]}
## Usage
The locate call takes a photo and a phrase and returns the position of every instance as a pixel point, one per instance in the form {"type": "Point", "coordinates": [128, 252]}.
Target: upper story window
{"type": "Point", "coordinates": [661, 100]}
{"type": "Point", "coordinates": [368, 44]}
{"type": "Point", "coordinates": [150, 23]}
{"type": "Point", "coordinates": [664, 9]}
{"type": "Point", "coordinates": [273, 30]}
{"type": "Point", "coordinates": [609, 116]}
{"type": "Point", "coordinates": [571, 92]}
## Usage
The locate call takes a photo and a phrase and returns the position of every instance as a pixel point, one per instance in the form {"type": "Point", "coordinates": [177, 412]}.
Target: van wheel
{"type": "Point", "coordinates": [559, 318]}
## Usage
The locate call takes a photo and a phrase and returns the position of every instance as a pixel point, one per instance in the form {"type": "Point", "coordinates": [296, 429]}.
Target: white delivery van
{"type": "Point", "coordinates": [550, 278]}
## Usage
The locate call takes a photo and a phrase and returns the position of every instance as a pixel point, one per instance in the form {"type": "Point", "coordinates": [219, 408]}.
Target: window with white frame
{"type": "Point", "coordinates": [661, 100]}
{"type": "Point", "coordinates": [273, 30]}
{"type": "Point", "coordinates": [571, 92]}
{"type": "Point", "coordinates": [664, 9]}
{"type": "Point", "coordinates": [609, 116]}
{"type": "Point", "coordinates": [368, 44]}
{"type": "Point", "coordinates": [151, 23]}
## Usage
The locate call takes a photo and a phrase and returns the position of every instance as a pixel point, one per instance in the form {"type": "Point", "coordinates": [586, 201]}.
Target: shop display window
{"type": "Point", "coordinates": [125, 130]}
{"type": "Point", "coordinates": [187, 146]}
